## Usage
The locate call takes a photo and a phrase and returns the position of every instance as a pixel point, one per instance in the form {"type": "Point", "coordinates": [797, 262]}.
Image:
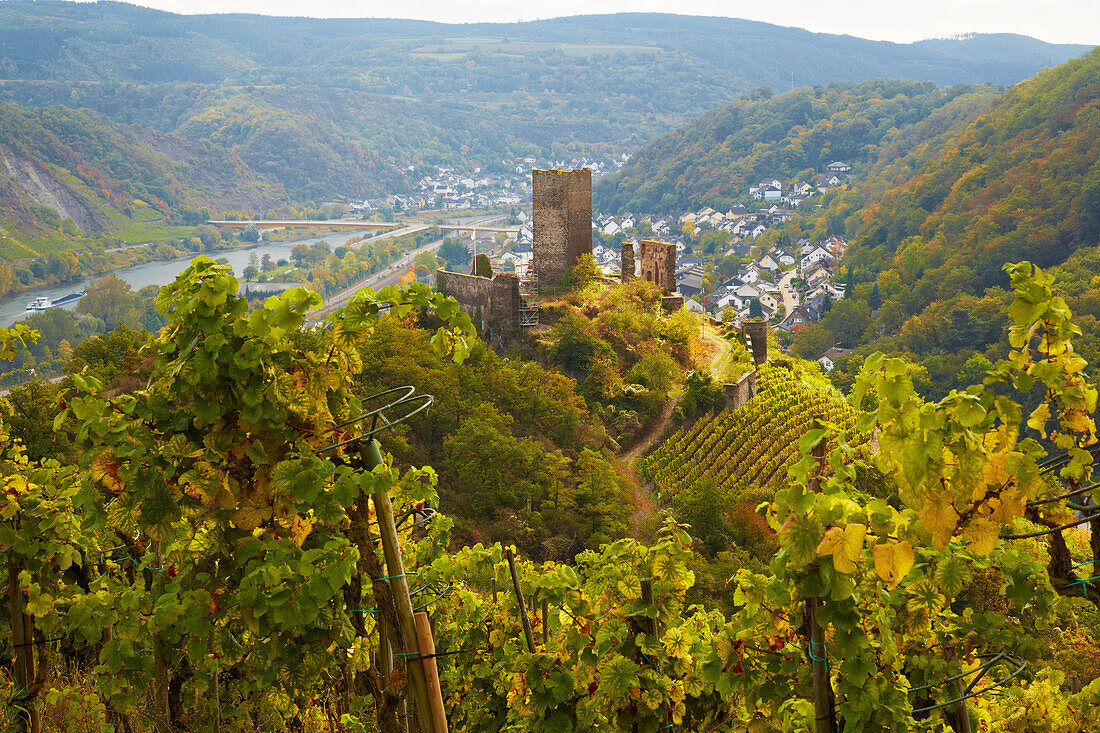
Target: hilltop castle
{"type": "Point", "coordinates": [562, 235]}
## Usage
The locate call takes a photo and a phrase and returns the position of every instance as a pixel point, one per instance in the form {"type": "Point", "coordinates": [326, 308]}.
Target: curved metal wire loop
{"type": "Point", "coordinates": [422, 402]}
{"type": "Point", "coordinates": [420, 517]}
{"type": "Point", "coordinates": [969, 692]}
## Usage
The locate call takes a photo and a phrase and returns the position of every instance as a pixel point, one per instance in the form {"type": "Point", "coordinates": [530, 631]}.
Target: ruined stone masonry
{"type": "Point", "coordinates": [659, 264]}
{"type": "Point", "coordinates": [562, 234]}
{"type": "Point", "coordinates": [626, 262]}
{"type": "Point", "coordinates": [756, 338]}
{"type": "Point", "coordinates": [492, 304]}
{"type": "Point", "coordinates": [562, 222]}
{"type": "Point", "coordinates": [739, 393]}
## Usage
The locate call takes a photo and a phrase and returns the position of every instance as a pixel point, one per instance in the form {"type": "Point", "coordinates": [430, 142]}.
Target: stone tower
{"type": "Point", "coordinates": [626, 261]}
{"type": "Point", "coordinates": [659, 264]}
{"type": "Point", "coordinates": [562, 221]}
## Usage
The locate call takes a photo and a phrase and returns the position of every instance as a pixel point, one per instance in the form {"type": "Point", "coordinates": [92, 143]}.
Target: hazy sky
{"type": "Point", "coordinates": [1060, 21]}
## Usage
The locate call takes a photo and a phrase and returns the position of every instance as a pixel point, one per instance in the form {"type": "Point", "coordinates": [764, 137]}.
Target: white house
{"type": "Point", "coordinates": [829, 359]}
{"type": "Point", "coordinates": [817, 254]}
{"type": "Point", "coordinates": [749, 273]}
{"type": "Point", "coordinates": [747, 292]}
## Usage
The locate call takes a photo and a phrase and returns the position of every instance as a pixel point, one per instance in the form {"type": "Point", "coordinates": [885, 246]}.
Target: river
{"type": "Point", "coordinates": [162, 272]}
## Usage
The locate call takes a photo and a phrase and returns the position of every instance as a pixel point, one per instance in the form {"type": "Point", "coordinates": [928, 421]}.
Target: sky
{"type": "Point", "coordinates": [1056, 21]}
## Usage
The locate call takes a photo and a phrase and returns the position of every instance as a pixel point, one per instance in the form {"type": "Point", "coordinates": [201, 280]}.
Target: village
{"type": "Point", "coordinates": [445, 188]}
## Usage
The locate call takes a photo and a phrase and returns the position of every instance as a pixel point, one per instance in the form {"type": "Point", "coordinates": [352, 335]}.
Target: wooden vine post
{"type": "Point", "coordinates": [385, 663]}
{"type": "Point", "coordinates": [960, 718]}
{"type": "Point", "coordinates": [431, 670]}
{"type": "Point", "coordinates": [651, 630]}
{"type": "Point", "coordinates": [22, 639]}
{"type": "Point", "coordinates": [395, 568]}
{"type": "Point", "coordinates": [524, 618]}
{"type": "Point", "coordinates": [824, 721]}
{"type": "Point", "coordinates": [161, 713]}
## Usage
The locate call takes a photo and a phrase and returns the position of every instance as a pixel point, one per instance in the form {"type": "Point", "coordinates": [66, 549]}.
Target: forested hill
{"type": "Point", "coordinates": [929, 236]}
{"type": "Point", "coordinates": [1022, 181]}
{"type": "Point", "coordinates": [714, 160]}
{"type": "Point", "coordinates": [342, 107]}
{"type": "Point", "coordinates": [64, 173]}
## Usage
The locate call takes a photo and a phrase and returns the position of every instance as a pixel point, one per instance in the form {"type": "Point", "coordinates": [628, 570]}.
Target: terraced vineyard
{"type": "Point", "coordinates": [751, 448]}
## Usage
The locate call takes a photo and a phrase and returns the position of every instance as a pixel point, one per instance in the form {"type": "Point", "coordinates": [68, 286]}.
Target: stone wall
{"type": "Point", "coordinates": [659, 264]}
{"type": "Point", "coordinates": [626, 261]}
{"type": "Point", "coordinates": [740, 392]}
{"type": "Point", "coordinates": [504, 303]}
{"type": "Point", "coordinates": [562, 202]}
{"type": "Point", "coordinates": [756, 337]}
{"type": "Point", "coordinates": [492, 304]}
{"type": "Point", "coordinates": [672, 303]}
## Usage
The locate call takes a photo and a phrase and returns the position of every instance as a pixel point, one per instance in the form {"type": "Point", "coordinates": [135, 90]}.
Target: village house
{"type": "Point", "coordinates": [749, 273]}
{"type": "Point", "coordinates": [838, 168]}
{"type": "Point", "coordinates": [768, 262]}
{"type": "Point", "coordinates": [815, 255]}
{"type": "Point", "coordinates": [769, 301]}
{"type": "Point", "coordinates": [785, 258]}
{"type": "Point", "coordinates": [746, 291]}
{"type": "Point", "coordinates": [690, 282]}
{"type": "Point", "coordinates": [796, 319]}
{"type": "Point", "coordinates": [829, 359]}
{"type": "Point", "coordinates": [817, 275]}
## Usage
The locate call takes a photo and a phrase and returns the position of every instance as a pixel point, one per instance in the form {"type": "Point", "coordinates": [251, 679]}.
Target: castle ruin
{"type": "Point", "coordinates": [492, 303]}
{"type": "Point", "coordinates": [562, 222]}
{"type": "Point", "coordinates": [626, 261]}
{"type": "Point", "coordinates": [500, 303]}
{"type": "Point", "coordinates": [659, 264]}
{"type": "Point", "coordinates": [740, 392]}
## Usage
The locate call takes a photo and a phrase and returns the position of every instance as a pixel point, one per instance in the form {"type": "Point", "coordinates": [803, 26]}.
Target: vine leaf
{"type": "Point", "coordinates": [893, 561]}
{"type": "Point", "coordinates": [940, 518]}
{"type": "Point", "coordinates": [981, 535]}
{"type": "Point", "coordinates": [844, 544]}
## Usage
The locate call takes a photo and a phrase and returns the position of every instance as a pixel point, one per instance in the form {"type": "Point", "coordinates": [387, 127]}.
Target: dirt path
{"type": "Point", "coordinates": [719, 353]}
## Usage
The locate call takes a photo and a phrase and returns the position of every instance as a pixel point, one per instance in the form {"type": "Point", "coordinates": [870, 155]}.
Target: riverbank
{"type": "Point", "coordinates": [158, 272]}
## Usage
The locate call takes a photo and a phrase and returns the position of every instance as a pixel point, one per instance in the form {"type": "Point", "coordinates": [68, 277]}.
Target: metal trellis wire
{"type": "Point", "coordinates": [993, 660]}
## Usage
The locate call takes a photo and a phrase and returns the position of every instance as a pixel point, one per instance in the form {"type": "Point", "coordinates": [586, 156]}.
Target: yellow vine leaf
{"type": "Point", "coordinates": [981, 535]}
{"type": "Point", "coordinates": [844, 544]}
{"type": "Point", "coordinates": [1037, 420]}
{"type": "Point", "coordinates": [300, 529]}
{"type": "Point", "coordinates": [939, 518]}
{"type": "Point", "coordinates": [251, 514]}
{"type": "Point", "coordinates": [893, 561]}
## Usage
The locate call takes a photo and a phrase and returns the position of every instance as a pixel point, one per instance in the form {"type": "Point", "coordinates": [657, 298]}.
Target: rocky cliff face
{"type": "Point", "coordinates": [26, 184]}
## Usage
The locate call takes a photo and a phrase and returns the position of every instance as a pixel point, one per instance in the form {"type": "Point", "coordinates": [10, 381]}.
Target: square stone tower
{"type": "Point", "coordinates": [562, 221]}
{"type": "Point", "coordinates": [659, 264]}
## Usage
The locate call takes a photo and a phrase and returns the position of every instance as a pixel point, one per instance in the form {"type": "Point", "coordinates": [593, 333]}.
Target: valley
{"type": "Point", "coordinates": [617, 372]}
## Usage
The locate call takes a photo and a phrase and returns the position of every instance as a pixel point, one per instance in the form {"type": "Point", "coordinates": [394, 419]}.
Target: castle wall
{"type": "Point", "coordinates": [492, 304]}
{"type": "Point", "coordinates": [626, 262]}
{"type": "Point", "coordinates": [504, 303]}
{"type": "Point", "coordinates": [756, 333]}
{"type": "Point", "coordinates": [562, 202]}
{"type": "Point", "coordinates": [659, 264]}
{"type": "Point", "coordinates": [740, 392]}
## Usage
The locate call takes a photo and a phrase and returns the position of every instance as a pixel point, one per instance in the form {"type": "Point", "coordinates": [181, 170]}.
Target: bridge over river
{"type": "Point", "coordinates": [398, 228]}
